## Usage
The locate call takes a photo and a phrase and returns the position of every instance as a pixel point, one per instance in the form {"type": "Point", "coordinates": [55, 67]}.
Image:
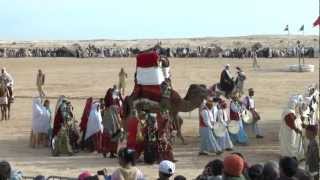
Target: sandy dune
{"type": "Point", "coordinates": [91, 77]}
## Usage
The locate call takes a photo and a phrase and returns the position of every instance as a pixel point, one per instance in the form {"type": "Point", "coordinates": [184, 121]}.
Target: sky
{"type": "Point", "coordinates": [140, 19]}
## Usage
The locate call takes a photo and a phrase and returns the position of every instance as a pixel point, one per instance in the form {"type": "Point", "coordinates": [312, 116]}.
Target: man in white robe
{"type": "Point", "coordinates": [40, 124]}
{"type": "Point", "coordinates": [249, 104]}
{"type": "Point", "coordinates": [221, 116]}
{"type": "Point", "coordinates": [208, 142]}
{"type": "Point", "coordinates": [291, 142]}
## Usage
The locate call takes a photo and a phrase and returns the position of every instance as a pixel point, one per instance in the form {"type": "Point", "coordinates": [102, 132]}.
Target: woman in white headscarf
{"type": "Point", "coordinates": [94, 128]}
{"type": "Point", "coordinates": [40, 124]}
{"type": "Point", "coordinates": [290, 130]}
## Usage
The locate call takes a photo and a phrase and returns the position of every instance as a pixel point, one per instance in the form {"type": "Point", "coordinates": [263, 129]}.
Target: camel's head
{"type": "Point", "coordinates": [196, 91]}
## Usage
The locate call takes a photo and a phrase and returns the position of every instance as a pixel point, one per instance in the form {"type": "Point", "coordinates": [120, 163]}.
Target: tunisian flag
{"type": "Point", "coordinates": [149, 76]}
{"type": "Point", "coordinates": [317, 22]}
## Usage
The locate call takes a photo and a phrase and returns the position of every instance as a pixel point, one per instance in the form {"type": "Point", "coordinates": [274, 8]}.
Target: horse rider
{"type": "Point", "coordinates": [226, 80]}
{"type": "Point", "coordinates": [40, 83]}
{"type": "Point", "coordinates": [7, 78]}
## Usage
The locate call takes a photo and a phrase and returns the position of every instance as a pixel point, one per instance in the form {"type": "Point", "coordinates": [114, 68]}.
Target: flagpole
{"type": "Point", "coordinates": [289, 37]}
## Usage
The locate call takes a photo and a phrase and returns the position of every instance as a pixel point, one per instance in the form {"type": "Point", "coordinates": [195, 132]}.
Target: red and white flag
{"type": "Point", "coordinates": [148, 70]}
{"type": "Point", "coordinates": [149, 75]}
{"type": "Point", "coordinates": [317, 22]}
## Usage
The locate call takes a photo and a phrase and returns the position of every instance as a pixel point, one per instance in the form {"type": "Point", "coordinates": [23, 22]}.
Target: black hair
{"type": "Point", "coordinates": [216, 167]}
{"type": "Point", "coordinates": [46, 101]}
{"type": "Point", "coordinates": [288, 166]}
{"type": "Point", "coordinates": [127, 155]}
{"type": "Point", "coordinates": [255, 172]}
{"type": "Point", "coordinates": [166, 175]}
{"type": "Point", "coordinates": [270, 171]}
{"type": "Point", "coordinates": [239, 154]}
{"type": "Point", "coordinates": [5, 170]}
{"type": "Point", "coordinates": [180, 177]}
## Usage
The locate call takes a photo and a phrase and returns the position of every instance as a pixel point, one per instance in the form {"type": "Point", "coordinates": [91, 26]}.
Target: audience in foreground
{"type": "Point", "coordinates": [233, 167]}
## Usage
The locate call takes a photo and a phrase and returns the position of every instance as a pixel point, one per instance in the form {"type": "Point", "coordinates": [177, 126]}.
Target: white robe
{"type": "Point", "coordinates": [290, 141]}
{"type": "Point", "coordinates": [221, 116]}
{"type": "Point", "coordinates": [40, 117]}
{"type": "Point", "coordinates": [94, 124]}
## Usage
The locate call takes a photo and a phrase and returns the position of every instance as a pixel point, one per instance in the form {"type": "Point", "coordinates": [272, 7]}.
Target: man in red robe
{"type": "Point", "coordinates": [135, 128]}
{"type": "Point", "coordinates": [84, 120]}
{"type": "Point", "coordinates": [164, 132]}
{"type": "Point", "coordinates": [112, 131]}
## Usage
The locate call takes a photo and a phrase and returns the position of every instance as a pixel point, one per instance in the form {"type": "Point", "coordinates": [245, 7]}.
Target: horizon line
{"type": "Point", "coordinates": [165, 38]}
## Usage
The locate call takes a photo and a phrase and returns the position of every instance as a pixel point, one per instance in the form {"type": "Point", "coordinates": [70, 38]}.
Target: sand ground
{"type": "Point", "coordinates": [92, 77]}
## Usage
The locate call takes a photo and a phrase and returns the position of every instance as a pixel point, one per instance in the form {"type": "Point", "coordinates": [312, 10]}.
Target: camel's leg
{"type": "Point", "coordinates": [5, 112]}
{"type": "Point", "coordinates": [8, 110]}
{"type": "Point", "coordinates": [2, 112]}
{"type": "Point", "coordinates": [178, 122]}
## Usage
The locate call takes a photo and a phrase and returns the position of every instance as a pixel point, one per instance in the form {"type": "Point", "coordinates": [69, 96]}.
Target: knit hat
{"type": "Point", "coordinates": [233, 165]}
{"type": "Point", "coordinates": [84, 175]}
{"type": "Point", "coordinates": [167, 167]}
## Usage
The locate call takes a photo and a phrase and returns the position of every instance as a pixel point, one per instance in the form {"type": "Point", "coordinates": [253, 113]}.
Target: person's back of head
{"type": "Point", "coordinates": [288, 166]}
{"type": "Point", "coordinates": [233, 166]}
{"type": "Point", "coordinates": [166, 169]}
{"type": "Point", "coordinates": [180, 177]}
{"type": "Point", "coordinates": [126, 157]}
{"type": "Point", "coordinates": [270, 171]}
{"type": "Point", "coordinates": [5, 170]}
{"type": "Point", "coordinates": [255, 172]}
{"type": "Point", "coordinates": [216, 167]}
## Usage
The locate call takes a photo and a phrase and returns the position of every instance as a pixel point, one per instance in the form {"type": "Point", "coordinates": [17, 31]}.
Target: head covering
{"type": "Point", "coordinates": [167, 167]}
{"type": "Point", "coordinates": [84, 175]}
{"type": "Point", "coordinates": [227, 66]}
{"type": "Point", "coordinates": [250, 90]}
{"type": "Point", "coordinates": [233, 165]}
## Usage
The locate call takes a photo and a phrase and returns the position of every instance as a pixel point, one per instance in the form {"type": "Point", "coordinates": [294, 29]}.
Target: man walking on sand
{"type": "Point", "coordinates": [122, 80]}
{"type": "Point", "coordinates": [255, 64]}
{"type": "Point", "coordinates": [40, 83]}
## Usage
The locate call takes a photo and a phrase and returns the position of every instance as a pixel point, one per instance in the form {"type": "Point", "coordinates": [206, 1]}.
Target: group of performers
{"type": "Point", "coordinates": [299, 129]}
{"type": "Point", "coordinates": [222, 124]}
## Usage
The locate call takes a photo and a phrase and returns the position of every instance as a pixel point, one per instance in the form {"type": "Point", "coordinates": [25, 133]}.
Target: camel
{"type": "Point", "coordinates": [175, 104]}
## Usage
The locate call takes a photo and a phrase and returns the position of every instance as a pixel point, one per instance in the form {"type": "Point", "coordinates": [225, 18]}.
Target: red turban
{"type": "Point", "coordinates": [233, 165]}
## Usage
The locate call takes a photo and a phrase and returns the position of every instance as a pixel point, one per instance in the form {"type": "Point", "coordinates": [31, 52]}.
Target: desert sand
{"type": "Point", "coordinates": [92, 77]}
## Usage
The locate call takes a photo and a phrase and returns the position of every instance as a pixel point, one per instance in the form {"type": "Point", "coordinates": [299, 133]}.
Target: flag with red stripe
{"type": "Point", "coordinates": [149, 75]}
{"type": "Point", "coordinates": [317, 22]}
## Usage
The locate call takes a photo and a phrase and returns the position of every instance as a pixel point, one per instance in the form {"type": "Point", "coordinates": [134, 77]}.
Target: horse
{"type": "Point", "coordinates": [5, 102]}
{"type": "Point", "coordinates": [238, 85]}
